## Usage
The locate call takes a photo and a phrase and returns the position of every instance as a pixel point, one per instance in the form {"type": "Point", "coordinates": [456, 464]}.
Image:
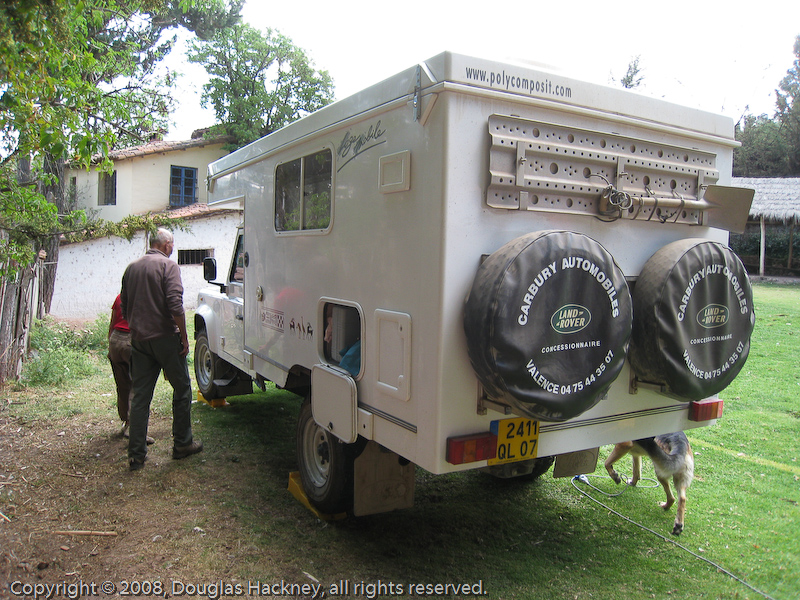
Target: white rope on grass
{"type": "Point", "coordinates": [584, 479]}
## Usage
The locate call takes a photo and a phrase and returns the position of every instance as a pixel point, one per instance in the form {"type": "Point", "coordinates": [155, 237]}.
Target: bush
{"type": "Point", "coordinates": [48, 335]}
{"type": "Point", "coordinates": [56, 368]}
{"type": "Point", "coordinates": [60, 353]}
{"type": "Point", "coordinates": [776, 241]}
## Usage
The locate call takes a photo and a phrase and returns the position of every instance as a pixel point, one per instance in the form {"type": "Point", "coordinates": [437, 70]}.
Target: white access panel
{"type": "Point", "coordinates": [334, 402]}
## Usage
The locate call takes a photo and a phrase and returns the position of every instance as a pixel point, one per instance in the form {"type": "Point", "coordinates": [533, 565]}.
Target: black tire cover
{"type": "Point", "coordinates": [693, 317]}
{"type": "Point", "coordinates": [548, 320]}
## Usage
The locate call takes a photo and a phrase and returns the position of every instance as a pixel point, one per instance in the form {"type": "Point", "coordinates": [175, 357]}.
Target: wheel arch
{"type": "Point", "coordinates": [203, 320]}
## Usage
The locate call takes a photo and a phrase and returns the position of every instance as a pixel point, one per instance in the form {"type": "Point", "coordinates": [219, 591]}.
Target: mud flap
{"type": "Point", "coordinates": [576, 463]}
{"type": "Point", "coordinates": [382, 481]}
{"type": "Point", "coordinates": [238, 385]}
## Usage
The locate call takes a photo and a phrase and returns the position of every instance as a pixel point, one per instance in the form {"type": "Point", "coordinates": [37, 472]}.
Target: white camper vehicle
{"type": "Point", "coordinates": [479, 265]}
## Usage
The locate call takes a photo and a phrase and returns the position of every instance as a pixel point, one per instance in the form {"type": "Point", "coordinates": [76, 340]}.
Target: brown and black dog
{"type": "Point", "coordinates": [672, 457]}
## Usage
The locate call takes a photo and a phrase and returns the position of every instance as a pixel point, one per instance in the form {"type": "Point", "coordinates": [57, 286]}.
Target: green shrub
{"type": "Point", "coordinates": [57, 367]}
{"type": "Point", "coordinates": [48, 335]}
{"type": "Point", "coordinates": [60, 353]}
{"type": "Point", "coordinates": [776, 240]}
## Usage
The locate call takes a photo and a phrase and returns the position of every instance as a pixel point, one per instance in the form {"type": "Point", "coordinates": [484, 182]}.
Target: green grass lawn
{"type": "Point", "coordinates": [519, 540]}
{"type": "Point", "coordinates": [546, 540]}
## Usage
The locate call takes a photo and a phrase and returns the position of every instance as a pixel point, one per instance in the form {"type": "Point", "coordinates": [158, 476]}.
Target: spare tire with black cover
{"type": "Point", "coordinates": [548, 321]}
{"type": "Point", "coordinates": [693, 317]}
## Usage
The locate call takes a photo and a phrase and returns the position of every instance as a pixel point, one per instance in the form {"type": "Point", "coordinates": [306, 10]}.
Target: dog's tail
{"type": "Point", "coordinates": [672, 448]}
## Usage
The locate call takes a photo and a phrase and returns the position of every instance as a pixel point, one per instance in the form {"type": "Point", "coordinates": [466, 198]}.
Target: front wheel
{"type": "Point", "coordinates": [205, 367]}
{"type": "Point", "coordinates": [326, 468]}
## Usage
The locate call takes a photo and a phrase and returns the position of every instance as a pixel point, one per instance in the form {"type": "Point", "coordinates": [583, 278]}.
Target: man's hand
{"type": "Point", "coordinates": [180, 322]}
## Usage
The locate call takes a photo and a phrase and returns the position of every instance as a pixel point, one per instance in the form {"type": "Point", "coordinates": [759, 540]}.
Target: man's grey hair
{"type": "Point", "coordinates": [160, 237]}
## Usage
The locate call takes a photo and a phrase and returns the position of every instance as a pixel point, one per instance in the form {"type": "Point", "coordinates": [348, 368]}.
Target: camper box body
{"type": "Point", "coordinates": [431, 172]}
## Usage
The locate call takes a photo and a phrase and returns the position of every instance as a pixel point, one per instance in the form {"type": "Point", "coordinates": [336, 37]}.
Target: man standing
{"type": "Point", "coordinates": [152, 303]}
{"type": "Point", "coordinates": [119, 355]}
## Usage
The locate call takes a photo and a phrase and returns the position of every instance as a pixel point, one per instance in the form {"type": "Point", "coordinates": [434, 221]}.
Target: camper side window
{"type": "Point", "coordinates": [342, 340]}
{"type": "Point", "coordinates": [303, 193]}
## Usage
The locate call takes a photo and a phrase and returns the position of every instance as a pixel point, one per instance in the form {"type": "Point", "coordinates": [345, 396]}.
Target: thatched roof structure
{"type": "Point", "coordinates": [776, 199]}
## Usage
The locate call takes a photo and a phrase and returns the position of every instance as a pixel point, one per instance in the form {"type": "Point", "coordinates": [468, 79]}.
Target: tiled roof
{"type": "Point", "coordinates": [196, 210]}
{"type": "Point", "coordinates": [776, 199]}
{"type": "Point", "coordinates": [158, 147]}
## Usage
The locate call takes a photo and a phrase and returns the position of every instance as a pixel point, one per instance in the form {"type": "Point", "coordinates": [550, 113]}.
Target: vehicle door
{"type": "Point", "coordinates": [233, 307]}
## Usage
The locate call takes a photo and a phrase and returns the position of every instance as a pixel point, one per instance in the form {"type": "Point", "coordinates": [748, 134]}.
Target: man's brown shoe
{"type": "Point", "coordinates": [126, 433]}
{"type": "Point", "coordinates": [184, 451]}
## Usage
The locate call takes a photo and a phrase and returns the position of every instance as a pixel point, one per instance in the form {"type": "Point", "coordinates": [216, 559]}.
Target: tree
{"type": "Point", "coordinates": [771, 146]}
{"type": "Point", "coordinates": [763, 152]}
{"type": "Point", "coordinates": [788, 110]}
{"type": "Point", "coordinates": [76, 78]}
{"type": "Point", "coordinates": [258, 82]}
{"type": "Point", "coordinates": [633, 77]}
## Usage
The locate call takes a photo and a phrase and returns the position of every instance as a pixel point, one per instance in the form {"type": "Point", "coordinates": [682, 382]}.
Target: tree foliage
{"type": "Point", "coordinates": [771, 146]}
{"type": "Point", "coordinates": [788, 109]}
{"type": "Point", "coordinates": [633, 76]}
{"type": "Point", "coordinates": [78, 78]}
{"type": "Point", "coordinates": [259, 82]}
{"type": "Point", "coordinates": [763, 152]}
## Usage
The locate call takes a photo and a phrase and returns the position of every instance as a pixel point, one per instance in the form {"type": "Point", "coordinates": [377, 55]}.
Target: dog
{"type": "Point", "coordinates": [672, 456]}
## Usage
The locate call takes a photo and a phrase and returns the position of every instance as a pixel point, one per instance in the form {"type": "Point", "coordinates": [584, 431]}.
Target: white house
{"type": "Point", "coordinates": [157, 177]}
{"type": "Point", "coordinates": [153, 177]}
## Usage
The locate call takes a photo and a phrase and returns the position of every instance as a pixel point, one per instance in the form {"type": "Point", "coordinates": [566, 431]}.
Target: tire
{"type": "Point", "coordinates": [548, 321]}
{"type": "Point", "coordinates": [325, 465]}
{"type": "Point", "coordinates": [205, 367]}
{"type": "Point", "coordinates": [693, 318]}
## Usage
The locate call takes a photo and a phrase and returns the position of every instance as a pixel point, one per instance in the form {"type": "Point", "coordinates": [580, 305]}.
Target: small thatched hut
{"type": "Point", "coordinates": [776, 204]}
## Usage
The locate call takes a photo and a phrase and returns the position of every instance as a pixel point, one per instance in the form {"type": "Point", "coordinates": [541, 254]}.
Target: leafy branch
{"type": "Point", "coordinates": [127, 228]}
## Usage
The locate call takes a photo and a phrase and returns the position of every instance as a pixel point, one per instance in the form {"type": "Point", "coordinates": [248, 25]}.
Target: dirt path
{"type": "Point", "coordinates": [71, 476]}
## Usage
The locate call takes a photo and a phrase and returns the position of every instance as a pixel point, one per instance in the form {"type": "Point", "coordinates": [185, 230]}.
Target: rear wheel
{"type": "Point", "coordinates": [326, 467]}
{"type": "Point", "coordinates": [205, 367]}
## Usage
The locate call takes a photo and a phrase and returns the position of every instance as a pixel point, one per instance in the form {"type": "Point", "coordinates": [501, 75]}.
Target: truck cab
{"type": "Point", "coordinates": [222, 371]}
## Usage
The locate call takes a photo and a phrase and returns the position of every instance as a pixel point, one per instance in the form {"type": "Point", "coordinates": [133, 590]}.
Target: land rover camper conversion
{"type": "Point", "coordinates": [474, 265]}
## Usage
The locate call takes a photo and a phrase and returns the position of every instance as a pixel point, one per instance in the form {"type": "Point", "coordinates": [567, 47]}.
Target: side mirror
{"type": "Point", "coordinates": [209, 269]}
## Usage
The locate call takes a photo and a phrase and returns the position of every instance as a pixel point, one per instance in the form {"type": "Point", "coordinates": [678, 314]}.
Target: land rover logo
{"type": "Point", "coordinates": [570, 318]}
{"type": "Point", "coordinates": [713, 315]}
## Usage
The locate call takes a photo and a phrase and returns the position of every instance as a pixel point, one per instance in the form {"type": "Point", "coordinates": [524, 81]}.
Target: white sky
{"type": "Point", "coordinates": [720, 56]}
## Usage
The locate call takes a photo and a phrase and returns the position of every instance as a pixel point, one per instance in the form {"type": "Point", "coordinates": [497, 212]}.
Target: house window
{"type": "Point", "coordinates": [107, 189]}
{"type": "Point", "coordinates": [303, 193]}
{"type": "Point", "coordinates": [182, 186]}
{"type": "Point", "coordinates": [193, 257]}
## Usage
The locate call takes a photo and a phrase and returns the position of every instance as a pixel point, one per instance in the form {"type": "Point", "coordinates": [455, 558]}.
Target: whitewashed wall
{"type": "Point", "coordinates": [143, 182]}
{"type": "Point", "coordinates": [89, 274]}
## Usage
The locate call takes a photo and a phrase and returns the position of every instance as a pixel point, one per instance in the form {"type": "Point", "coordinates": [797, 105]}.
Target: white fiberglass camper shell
{"type": "Point", "coordinates": [479, 265]}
